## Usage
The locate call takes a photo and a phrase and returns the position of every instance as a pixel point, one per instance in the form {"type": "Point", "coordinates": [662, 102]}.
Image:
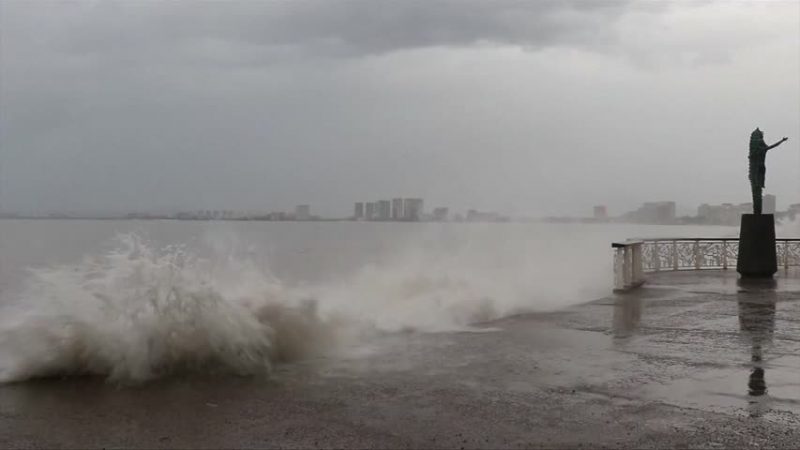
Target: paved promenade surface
{"type": "Point", "coordinates": [693, 359]}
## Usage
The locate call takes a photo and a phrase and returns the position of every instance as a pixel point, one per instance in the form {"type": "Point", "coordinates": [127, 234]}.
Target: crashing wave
{"type": "Point", "coordinates": [135, 313]}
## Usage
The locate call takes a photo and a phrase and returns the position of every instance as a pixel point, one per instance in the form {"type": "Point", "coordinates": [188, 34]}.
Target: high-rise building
{"type": "Point", "coordinates": [358, 210]}
{"type": "Point", "coordinates": [724, 214]}
{"type": "Point", "coordinates": [653, 212]}
{"type": "Point", "coordinates": [704, 210]}
{"type": "Point", "coordinates": [412, 209]}
{"type": "Point", "coordinates": [441, 214]}
{"type": "Point", "coordinates": [369, 211]}
{"type": "Point", "coordinates": [794, 210]}
{"type": "Point", "coordinates": [768, 204]}
{"type": "Point", "coordinates": [302, 212]}
{"type": "Point", "coordinates": [600, 212]}
{"type": "Point", "coordinates": [483, 216]}
{"type": "Point", "coordinates": [397, 208]}
{"type": "Point", "coordinates": [384, 210]}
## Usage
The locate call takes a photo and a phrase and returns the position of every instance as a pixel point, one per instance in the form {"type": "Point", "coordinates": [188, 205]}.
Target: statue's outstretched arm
{"type": "Point", "coordinates": [777, 143]}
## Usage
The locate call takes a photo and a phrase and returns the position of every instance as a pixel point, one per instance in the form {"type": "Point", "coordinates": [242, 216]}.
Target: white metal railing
{"type": "Point", "coordinates": [634, 258]}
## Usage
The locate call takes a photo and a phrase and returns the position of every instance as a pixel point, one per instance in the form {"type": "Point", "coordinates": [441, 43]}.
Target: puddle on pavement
{"type": "Point", "coordinates": [746, 389]}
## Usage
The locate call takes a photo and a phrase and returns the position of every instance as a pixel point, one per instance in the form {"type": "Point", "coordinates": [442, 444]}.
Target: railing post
{"type": "Point", "coordinates": [724, 255]}
{"type": "Point", "coordinates": [696, 251]}
{"type": "Point", "coordinates": [674, 255]}
{"type": "Point", "coordinates": [629, 266]}
{"type": "Point", "coordinates": [786, 256]}
{"type": "Point", "coordinates": [656, 257]}
{"type": "Point", "coordinates": [636, 264]}
{"type": "Point", "coordinates": [628, 277]}
{"type": "Point", "coordinates": [618, 282]}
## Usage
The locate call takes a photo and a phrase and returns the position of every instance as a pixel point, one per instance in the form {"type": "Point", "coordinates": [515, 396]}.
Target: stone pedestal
{"type": "Point", "coordinates": [757, 257]}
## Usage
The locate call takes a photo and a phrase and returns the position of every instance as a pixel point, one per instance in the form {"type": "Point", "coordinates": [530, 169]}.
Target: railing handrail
{"type": "Point", "coordinates": [691, 239]}
{"type": "Point", "coordinates": [626, 243]}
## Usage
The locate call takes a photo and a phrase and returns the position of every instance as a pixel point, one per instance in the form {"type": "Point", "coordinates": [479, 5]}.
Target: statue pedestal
{"type": "Point", "coordinates": [757, 256]}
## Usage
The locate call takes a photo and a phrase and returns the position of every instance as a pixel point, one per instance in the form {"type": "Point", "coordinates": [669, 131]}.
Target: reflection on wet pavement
{"type": "Point", "coordinates": [757, 303]}
{"type": "Point", "coordinates": [731, 350]}
{"type": "Point", "coordinates": [627, 315]}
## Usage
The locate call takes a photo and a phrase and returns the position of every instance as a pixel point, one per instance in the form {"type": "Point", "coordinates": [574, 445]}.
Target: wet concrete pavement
{"type": "Point", "coordinates": [693, 360]}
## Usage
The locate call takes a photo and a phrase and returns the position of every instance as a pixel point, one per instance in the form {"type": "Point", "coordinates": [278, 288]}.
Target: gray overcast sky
{"type": "Point", "coordinates": [529, 107]}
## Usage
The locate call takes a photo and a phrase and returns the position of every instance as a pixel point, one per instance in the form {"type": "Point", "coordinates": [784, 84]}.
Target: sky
{"type": "Point", "coordinates": [522, 107]}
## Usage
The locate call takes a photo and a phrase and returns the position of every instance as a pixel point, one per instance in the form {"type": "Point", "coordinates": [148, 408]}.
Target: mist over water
{"type": "Point", "coordinates": [135, 301]}
{"type": "Point", "coordinates": [788, 228]}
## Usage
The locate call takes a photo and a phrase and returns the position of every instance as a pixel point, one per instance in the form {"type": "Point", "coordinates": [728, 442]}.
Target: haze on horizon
{"type": "Point", "coordinates": [523, 107]}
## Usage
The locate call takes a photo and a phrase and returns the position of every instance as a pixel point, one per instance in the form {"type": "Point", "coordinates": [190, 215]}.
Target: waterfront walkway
{"type": "Point", "coordinates": [690, 359]}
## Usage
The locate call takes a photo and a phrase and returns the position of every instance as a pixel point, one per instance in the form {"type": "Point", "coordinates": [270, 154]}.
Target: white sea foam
{"type": "Point", "coordinates": [137, 313]}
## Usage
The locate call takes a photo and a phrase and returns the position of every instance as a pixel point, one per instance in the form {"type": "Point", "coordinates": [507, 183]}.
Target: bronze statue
{"type": "Point", "coordinates": [758, 168]}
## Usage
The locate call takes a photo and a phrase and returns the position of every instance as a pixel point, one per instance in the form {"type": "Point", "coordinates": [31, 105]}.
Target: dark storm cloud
{"type": "Point", "coordinates": [370, 27]}
{"type": "Point", "coordinates": [350, 28]}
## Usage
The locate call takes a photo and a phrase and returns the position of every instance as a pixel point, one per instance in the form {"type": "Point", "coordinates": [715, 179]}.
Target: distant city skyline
{"type": "Point", "coordinates": [413, 210]}
{"type": "Point", "coordinates": [686, 209]}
